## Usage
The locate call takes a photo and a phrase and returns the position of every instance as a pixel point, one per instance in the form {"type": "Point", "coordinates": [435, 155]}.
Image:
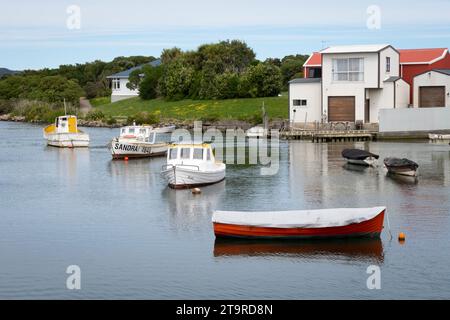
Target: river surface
{"type": "Point", "coordinates": [133, 238]}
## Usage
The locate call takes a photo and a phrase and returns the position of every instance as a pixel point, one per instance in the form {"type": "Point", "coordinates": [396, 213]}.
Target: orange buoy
{"type": "Point", "coordinates": [196, 191]}
{"type": "Point", "coordinates": [401, 237]}
{"type": "Point", "coordinates": [126, 158]}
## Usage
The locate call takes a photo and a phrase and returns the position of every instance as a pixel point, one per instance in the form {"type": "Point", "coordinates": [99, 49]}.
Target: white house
{"type": "Point", "coordinates": [119, 82]}
{"type": "Point", "coordinates": [432, 89]}
{"type": "Point", "coordinates": [357, 81]}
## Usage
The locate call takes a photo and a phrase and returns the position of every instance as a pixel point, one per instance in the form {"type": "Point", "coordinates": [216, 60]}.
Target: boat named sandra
{"type": "Point", "coordinates": [139, 142]}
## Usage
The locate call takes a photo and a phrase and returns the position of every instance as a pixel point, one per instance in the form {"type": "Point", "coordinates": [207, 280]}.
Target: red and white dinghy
{"type": "Point", "coordinates": [328, 223]}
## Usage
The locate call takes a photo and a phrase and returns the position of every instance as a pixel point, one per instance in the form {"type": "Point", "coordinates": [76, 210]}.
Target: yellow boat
{"type": "Point", "coordinates": [64, 133]}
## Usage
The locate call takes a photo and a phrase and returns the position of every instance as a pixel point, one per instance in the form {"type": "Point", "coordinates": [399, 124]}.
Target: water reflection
{"type": "Point", "coordinates": [358, 249]}
{"type": "Point", "coordinates": [70, 163]}
{"type": "Point", "coordinates": [189, 211]}
{"type": "Point", "coordinates": [355, 168]}
{"type": "Point", "coordinates": [134, 175]}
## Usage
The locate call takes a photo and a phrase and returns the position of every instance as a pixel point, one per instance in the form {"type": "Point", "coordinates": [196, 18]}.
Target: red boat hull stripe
{"type": "Point", "coordinates": [369, 228]}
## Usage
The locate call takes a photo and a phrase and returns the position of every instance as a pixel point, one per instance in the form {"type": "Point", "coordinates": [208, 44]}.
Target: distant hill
{"type": "Point", "coordinates": [4, 71]}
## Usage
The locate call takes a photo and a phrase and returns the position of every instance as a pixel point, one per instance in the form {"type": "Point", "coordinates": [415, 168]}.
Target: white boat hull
{"type": "Point", "coordinates": [180, 177]}
{"type": "Point", "coordinates": [68, 140]}
{"type": "Point", "coordinates": [121, 149]}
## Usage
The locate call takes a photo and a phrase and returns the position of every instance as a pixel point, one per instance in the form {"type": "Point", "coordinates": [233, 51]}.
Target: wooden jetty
{"type": "Point", "coordinates": [329, 135]}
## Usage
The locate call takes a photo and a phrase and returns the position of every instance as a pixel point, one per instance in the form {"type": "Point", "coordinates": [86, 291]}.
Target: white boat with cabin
{"type": "Point", "coordinates": [139, 142]}
{"type": "Point", "coordinates": [192, 165]}
{"type": "Point", "coordinates": [64, 133]}
{"type": "Point", "coordinates": [439, 138]}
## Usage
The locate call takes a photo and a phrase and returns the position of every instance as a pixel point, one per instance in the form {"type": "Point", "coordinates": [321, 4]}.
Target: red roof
{"type": "Point", "coordinates": [421, 56]}
{"type": "Point", "coordinates": [314, 60]}
{"type": "Point", "coordinates": [407, 56]}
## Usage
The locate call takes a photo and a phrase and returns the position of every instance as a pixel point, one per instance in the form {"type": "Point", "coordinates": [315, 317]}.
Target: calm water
{"type": "Point", "coordinates": [135, 238]}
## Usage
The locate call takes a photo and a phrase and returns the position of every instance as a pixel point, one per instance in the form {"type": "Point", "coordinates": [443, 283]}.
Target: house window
{"type": "Point", "coordinates": [348, 69]}
{"type": "Point", "coordinates": [300, 103]}
{"type": "Point", "coordinates": [388, 64]}
{"type": "Point", "coordinates": [116, 84]}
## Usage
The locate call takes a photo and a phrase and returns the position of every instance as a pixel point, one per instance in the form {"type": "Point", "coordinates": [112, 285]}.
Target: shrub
{"type": "Point", "coordinates": [111, 121]}
{"type": "Point", "coordinates": [6, 107]}
{"type": "Point", "coordinates": [95, 115]}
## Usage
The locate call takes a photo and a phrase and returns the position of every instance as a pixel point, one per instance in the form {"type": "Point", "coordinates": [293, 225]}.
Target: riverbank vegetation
{"type": "Point", "coordinates": [219, 81]}
{"type": "Point", "coordinates": [160, 110]}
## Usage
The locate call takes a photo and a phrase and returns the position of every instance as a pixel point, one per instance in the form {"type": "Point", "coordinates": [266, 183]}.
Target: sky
{"type": "Point", "coordinates": [48, 33]}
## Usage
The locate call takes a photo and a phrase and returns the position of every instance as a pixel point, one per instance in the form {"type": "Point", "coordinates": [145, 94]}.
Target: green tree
{"type": "Point", "coordinates": [148, 87]}
{"type": "Point", "coordinates": [262, 80]}
{"type": "Point", "coordinates": [292, 67]}
{"type": "Point", "coordinates": [176, 80]}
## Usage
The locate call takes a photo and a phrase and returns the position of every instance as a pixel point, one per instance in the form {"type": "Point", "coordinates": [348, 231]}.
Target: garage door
{"type": "Point", "coordinates": [341, 109]}
{"type": "Point", "coordinates": [432, 97]}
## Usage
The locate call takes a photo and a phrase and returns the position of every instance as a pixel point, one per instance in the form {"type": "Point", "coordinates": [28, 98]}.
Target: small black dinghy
{"type": "Point", "coordinates": [360, 157]}
{"type": "Point", "coordinates": [404, 167]}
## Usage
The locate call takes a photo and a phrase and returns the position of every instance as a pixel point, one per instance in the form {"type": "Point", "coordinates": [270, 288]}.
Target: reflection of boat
{"type": "Point", "coordinates": [190, 165]}
{"type": "Point", "coordinates": [354, 248]}
{"type": "Point", "coordinates": [328, 223]}
{"type": "Point", "coordinates": [355, 167]}
{"type": "Point", "coordinates": [64, 133]}
{"type": "Point", "coordinates": [360, 157]}
{"type": "Point", "coordinates": [138, 142]}
{"type": "Point", "coordinates": [404, 167]}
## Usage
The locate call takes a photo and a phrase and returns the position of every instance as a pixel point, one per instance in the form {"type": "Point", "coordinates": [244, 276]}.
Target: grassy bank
{"type": "Point", "coordinates": [206, 110]}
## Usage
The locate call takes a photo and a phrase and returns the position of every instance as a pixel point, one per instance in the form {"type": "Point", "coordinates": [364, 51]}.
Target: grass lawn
{"type": "Point", "coordinates": [231, 109]}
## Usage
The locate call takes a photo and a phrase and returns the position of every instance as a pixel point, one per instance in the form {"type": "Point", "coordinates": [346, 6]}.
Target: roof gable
{"type": "Point", "coordinates": [314, 60]}
{"type": "Point", "coordinates": [366, 48]}
{"type": "Point", "coordinates": [422, 56]}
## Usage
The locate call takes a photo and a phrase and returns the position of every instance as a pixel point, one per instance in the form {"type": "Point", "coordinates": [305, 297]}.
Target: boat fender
{"type": "Point", "coordinates": [196, 191]}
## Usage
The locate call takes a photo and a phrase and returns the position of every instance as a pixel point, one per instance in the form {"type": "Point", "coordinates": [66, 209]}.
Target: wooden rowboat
{"type": "Point", "coordinates": [303, 224]}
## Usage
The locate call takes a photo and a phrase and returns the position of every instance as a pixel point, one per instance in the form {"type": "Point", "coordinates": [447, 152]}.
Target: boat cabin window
{"type": "Point", "coordinates": [173, 154]}
{"type": "Point", "coordinates": [142, 131]}
{"type": "Point", "coordinates": [185, 153]}
{"type": "Point", "coordinates": [150, 137]}
{"type": "Point", "coordinates": [198, 154]}
{"type": "Point", "coordinates": [131, 130]}
{"type": "Point", "coordinates": [124, 130]}
{"type": "Point", "coordinates": [57, 122]}
{"type": "Point", "coordinates": [208, 155]}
